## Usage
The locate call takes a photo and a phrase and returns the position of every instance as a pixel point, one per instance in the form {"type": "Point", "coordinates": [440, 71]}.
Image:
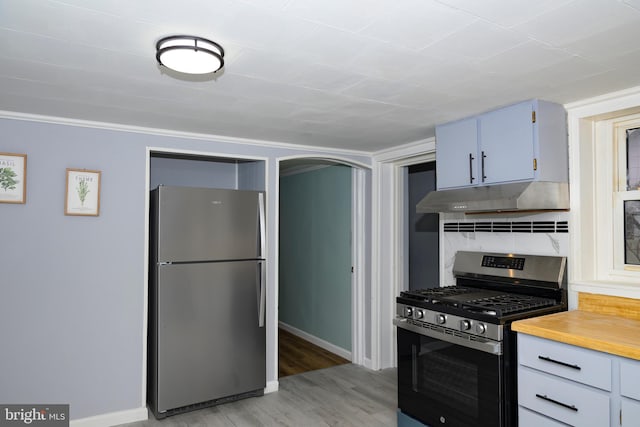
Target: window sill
{"type": "Point", "coordinates": [626, 288]}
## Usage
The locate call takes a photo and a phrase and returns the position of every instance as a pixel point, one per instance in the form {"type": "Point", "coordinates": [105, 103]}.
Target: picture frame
{"type": "Point", "coordinates": [13, 178]}
{"type": "Point", "coordinates": [82, 194]}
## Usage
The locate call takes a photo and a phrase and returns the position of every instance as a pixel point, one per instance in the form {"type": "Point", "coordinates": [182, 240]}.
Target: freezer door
{"type": "Point", "coordinates": [210, 343]}
{"type": "Point", "coordinates": [202, 224]}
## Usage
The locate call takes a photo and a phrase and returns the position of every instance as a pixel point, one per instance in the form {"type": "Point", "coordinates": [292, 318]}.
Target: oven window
{"type": "Point", "coordinates": [455, 378]}
{"type": "Point", "coordinates": [446, 384]}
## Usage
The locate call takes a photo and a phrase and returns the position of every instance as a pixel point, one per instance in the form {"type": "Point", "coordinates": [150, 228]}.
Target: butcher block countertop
{"type": "Point", "coordinates": [603, 323]}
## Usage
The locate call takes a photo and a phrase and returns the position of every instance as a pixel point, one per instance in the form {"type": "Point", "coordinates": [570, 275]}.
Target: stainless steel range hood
{"type": "Point", "coordinates": [513, 197]}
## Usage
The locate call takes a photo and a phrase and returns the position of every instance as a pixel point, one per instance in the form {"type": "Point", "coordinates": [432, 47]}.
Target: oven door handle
{"type": "Point", "coordinates": [487, 346]}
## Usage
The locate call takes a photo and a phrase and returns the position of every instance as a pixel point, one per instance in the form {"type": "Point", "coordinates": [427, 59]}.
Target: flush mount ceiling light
{"type": "Point", "coordinates": [190, 54]}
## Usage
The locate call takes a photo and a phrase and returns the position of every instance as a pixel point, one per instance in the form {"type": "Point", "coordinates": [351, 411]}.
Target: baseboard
{"type": "Point", "coordinates": [112, 418]}
{"type": "Point", "coordinates": [368, 363]}
{"type": "Point", "coordinates": [272, 386]}
{"type": "Point", "coordinates": [317, 341]}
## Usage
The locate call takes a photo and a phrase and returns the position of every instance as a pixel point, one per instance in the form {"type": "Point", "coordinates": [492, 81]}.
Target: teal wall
{"type": "Point", "coordinates": [315, 253]}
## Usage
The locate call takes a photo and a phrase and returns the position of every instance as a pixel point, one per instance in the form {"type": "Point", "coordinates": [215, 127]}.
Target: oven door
{"type": "Point", "coordinates": [445, 384]}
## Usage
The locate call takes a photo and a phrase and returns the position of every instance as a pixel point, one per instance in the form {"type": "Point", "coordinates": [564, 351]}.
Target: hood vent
{"type": "Point", "coordinates": [512, 197]}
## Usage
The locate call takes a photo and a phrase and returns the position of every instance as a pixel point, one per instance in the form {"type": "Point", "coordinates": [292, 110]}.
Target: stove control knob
{"type": "Point", "coordinates": [465, 325]}
{"type": "Point", "coordinates": [419, 314]}
{"type": "Point", "coordinates": [408, 312]}
{"type": "Point", "coordinates": [481, 328]}
{"type": "Point", "coordinates": [441, 319]}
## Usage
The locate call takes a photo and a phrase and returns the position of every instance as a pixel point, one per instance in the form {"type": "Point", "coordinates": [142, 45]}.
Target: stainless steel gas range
{"type": "Point", "coordinates": [457, 355]}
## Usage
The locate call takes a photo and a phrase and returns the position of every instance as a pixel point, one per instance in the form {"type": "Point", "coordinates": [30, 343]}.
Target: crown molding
{"type": "Point", "coordinates": [174, 133]}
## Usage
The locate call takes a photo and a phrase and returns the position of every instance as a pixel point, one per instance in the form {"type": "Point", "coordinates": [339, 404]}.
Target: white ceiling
{"type": "Point", "coordinates": [355, 74]}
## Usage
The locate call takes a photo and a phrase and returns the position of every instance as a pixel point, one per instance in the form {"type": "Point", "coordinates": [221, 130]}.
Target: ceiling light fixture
{"type": "Point", "coordinates": [190, 54]}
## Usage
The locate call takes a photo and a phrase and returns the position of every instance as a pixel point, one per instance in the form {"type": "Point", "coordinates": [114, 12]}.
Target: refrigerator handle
{"type": "Point", "coordinates": [261, 222]}
{"type": "Point", "coordinates": [261, 296]}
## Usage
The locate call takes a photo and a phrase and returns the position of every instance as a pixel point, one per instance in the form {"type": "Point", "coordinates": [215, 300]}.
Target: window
{"type": "Point", "coordinates": [606, 238]}
{"type": "Point", "coordinates": [627, 195]}
{"type": "Point", "coordinates": [604, 174]}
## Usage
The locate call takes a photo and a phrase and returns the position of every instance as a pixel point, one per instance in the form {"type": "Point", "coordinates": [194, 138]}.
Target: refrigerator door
{"type": "Point", "coordinates": [203, 224]}
{"type": "Point", "coordinates": [210, 343]}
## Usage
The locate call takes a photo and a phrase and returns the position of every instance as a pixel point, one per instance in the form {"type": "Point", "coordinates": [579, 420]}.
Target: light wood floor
{"type": "Point", "coordinates": [297, 355]}
{"type": "Point", "coordinates": [345, 395]}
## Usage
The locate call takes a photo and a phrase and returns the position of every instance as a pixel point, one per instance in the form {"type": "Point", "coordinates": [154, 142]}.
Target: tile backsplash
{"type": "Point", "coordinates": [540, 234]}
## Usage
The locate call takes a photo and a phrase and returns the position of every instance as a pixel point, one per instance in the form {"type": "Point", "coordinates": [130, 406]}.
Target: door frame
{"type": "Point", "coordinates": [389, 249]}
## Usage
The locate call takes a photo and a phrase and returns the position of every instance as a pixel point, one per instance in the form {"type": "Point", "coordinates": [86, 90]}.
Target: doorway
{"type": "Point", "coordinates": [423, 238]}
{"type": "Point", "coordinates": [315, 265]}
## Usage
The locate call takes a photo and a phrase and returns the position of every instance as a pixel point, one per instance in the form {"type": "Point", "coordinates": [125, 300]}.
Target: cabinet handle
{"type": "Point", "coordinates": [557, 362]}
{"type": "Point", "coordinates": [483, 175]}
{"type": "Point", "coordinates": [471, 178]}
{"type": "Point", "coordinates": [564, 405]}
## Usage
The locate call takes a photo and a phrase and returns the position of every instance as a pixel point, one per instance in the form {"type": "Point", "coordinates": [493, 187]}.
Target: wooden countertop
{"type": "Point", "coordinates": [606, 331]}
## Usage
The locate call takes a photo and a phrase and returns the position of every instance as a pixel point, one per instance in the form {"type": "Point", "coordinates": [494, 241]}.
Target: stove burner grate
{"type": "Point", "coordinates": [501, 305]}
{"type": "Point", "coordinates": [482, 301]}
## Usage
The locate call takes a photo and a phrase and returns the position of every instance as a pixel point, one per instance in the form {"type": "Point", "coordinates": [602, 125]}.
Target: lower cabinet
{"type": "Point", "coordinates": [560, 384]}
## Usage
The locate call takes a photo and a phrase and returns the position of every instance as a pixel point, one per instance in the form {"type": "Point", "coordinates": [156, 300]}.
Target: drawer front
{"type": "Point", "coordinates": [572, 403]}
{"type": "Point", "coordinates": [630, 413]}
{"type": "Point", "coordinates": [527, 418]}
{"type": "Point", "coordinates": [630, 378]}
{"type": "Point", "coordinates": [564, 360]}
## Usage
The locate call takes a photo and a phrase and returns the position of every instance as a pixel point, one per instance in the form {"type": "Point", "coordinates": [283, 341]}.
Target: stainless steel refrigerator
{"type": "Point", "coordinates": [206, 298]}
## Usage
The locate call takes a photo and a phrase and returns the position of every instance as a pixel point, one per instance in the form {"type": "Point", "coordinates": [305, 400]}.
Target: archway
{"type": "Point", "coordinates": [296, 172]}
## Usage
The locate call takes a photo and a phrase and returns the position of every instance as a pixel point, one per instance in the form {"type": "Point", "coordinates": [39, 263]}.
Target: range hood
{"type": "Point", "coordinates": [512, 197]}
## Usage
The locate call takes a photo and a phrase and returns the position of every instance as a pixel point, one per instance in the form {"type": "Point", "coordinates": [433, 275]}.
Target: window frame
{"type": "Point", "coordinates": [594, 202]}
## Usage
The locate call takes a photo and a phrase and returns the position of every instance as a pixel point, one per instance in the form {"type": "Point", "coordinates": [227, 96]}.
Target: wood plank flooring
{"type": "Point", "coordinates": [345, 395]}
{"type": "Point", "coordinates": [297, 355]}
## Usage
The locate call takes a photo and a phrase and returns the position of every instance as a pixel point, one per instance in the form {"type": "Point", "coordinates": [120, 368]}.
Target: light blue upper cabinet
{"type": "Point", "coordinates": [457, 154]}
{"type": "Point", "coordinates": [522, 142]}
{"type": "Point", "coordinates": [506, 144]}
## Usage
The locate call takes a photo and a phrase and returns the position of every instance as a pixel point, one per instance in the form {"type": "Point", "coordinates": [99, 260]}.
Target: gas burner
{"type": "Point", "coordinates": [436, 295]}
{"type": "Point", "coordinates": [503, 304]}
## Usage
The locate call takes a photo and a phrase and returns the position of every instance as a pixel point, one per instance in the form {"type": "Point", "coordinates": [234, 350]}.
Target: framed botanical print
{"type": "Point", "coordinates": [82, 195]}
{"type": "Point", "coordinates": [13, 178]}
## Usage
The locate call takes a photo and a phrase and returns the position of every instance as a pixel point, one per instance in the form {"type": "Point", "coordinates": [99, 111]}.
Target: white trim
{"type": "Point", "coordinates": [358, 244]}
{"type": "Point", "coordinates": [376, 271]}
{"type": "Point", "coordinates": [272, 387]}
{"type": "Point", "coordinates": [171, 133]}
{"type": "Point", "coordinates": [145, 287]}
{"type": "Point", "coordinates": [315, 340]}
{"type": "Point", "coordinates": [323, 156]}
{"type": "Point", "coordinates": [604, 104]}
{"type": "Point", "coordinates": [405, 151]}
{"type": "Point", "coordinates": [368, 363]}
{"type": "Point", "coordinates": [112, 418]}
{"type": "Point", "coordinates": [388, 241]}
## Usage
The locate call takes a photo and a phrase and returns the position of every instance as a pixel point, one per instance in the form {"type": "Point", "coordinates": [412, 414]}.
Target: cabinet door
{"type": "Point", "coordinates": [506, 144]}
{"type": "Point", "coordinates": [630, 412]}
{"type": "Point", "coordinates": [457, 154]}
{"type": "Point", "coordinates": [630, 378]}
